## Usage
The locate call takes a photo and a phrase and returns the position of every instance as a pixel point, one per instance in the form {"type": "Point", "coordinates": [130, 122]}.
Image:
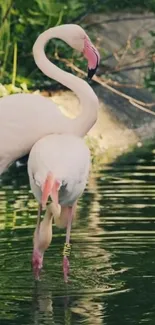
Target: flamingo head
{"type": "Point", "coordinates": [77, 38]}
{"type": "Point", "coordinates": [41, 240]}
{"type": "Point", "coordinates": [83, 44]}
{"type": "Point", "coordinates": [92, 55]}
{"type": "Point", "coordinates": [37, 262]}
{"type": "Point", "coordinates": [38, 253]}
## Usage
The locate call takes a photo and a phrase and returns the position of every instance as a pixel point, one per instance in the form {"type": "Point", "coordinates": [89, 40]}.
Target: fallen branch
{"type": "Point", "coordinates": [137, 103]}
{"type": "Point", "coordinates": [118, 84]}
{"type": "Point", "coordinates": [142, 108]}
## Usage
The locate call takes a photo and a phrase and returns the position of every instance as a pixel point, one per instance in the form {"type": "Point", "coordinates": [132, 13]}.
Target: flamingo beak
{"type": "Point", "coordinates": [93, 57]}
{"type": "Point", "coordinates": [91, 72]}
{"type": "Point", "coordinates": [50, 188]}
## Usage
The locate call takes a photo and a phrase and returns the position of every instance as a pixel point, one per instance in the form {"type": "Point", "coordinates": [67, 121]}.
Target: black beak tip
{"type": "Point", "coordinates": [91, 73]}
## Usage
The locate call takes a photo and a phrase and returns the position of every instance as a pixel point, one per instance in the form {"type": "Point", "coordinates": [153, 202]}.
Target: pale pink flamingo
{"type": "Point", "coordinates": [58, 167]}
{"type": "Point", "coordinates": [26, 118]}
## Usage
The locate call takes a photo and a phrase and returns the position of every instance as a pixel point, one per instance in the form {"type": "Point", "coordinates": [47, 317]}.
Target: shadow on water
{"type": "Point", "coordinates": [112, 278]}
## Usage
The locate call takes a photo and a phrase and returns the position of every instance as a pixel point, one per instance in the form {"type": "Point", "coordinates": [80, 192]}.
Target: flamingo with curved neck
{"type": "Point", "coordinates": [89, 101]}
{"type": "Point", "coordinates": [25, 118]}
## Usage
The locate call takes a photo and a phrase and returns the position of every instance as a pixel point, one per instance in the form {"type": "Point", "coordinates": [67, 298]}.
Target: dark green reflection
{"type": "Point", "coordinates": [112, 262]}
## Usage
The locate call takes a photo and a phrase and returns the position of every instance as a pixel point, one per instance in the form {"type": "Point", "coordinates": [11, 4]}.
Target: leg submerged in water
{"type": "Point", "coordinates": [67, 246]}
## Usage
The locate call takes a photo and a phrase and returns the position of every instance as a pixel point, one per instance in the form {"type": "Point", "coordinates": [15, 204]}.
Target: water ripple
{"type": "Point", "coordinates": [112, 277]}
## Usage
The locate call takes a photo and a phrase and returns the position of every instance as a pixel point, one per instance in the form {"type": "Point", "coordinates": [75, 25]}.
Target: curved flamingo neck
{"type": "Point", "coordinates": [88, 100]}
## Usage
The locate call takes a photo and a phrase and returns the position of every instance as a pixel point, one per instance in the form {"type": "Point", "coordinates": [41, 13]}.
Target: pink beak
{"type": "Point", "coordinates": [50, 188]}
{"type": "Point", "coordinates": [92, 55]}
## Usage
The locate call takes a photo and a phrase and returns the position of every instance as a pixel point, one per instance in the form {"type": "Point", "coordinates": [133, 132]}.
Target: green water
{"type": "Point", "coordinates": [112, 278]}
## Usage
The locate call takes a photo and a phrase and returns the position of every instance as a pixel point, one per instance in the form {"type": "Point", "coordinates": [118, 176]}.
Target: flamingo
{"type": "Point", "coordinates": [58, 167]}
{"type": "Point", "coordinates": [26, 118]}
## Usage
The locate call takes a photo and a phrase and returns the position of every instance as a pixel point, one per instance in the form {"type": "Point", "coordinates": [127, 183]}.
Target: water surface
{"type": "Point", "coordinates": [112, 278]}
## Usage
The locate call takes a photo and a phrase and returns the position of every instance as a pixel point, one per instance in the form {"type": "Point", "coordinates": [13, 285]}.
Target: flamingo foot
{"type": "Point", "coordinates": [66, 268]}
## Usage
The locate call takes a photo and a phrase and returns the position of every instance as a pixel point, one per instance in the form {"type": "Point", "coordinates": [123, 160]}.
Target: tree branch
{"type": "Point", "coordinates": [133, 101]}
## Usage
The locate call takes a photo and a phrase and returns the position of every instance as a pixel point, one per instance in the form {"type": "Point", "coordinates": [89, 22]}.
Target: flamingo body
{"type": "Point", "coordinates": [26, 118]}
{"type": "Point", "coordinates": [68, 158]}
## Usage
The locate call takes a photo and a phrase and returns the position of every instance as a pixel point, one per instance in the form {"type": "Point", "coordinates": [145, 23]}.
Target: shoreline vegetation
{"type": "Point", "coordinates": [21, 24]}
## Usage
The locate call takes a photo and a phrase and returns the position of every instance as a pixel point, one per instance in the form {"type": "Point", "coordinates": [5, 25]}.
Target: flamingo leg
{"type": "Point", "coordinates": [35, 254]}
{"type": "Point", "coordinates": [39, 216]}
{"type": "Point", "coordinates": [67, 245]}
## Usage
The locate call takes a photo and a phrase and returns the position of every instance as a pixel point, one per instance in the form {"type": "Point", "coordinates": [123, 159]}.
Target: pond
{"type": "Point", "coordinates": [112, 279]}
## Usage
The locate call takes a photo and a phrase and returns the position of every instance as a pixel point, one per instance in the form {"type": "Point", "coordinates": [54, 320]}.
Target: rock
{"type": "Point", "coordinates": [114, 32]}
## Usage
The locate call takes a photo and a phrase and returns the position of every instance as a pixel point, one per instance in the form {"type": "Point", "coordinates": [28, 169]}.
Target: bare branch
{"type": "Point", "coordinates": [137, 103]}
{"type": "Point", "coordinates": [127, 47]}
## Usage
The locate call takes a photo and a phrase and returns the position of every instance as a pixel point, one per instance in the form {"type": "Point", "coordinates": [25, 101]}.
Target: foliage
{"type": "Point", "coordinates": [22, 21]}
